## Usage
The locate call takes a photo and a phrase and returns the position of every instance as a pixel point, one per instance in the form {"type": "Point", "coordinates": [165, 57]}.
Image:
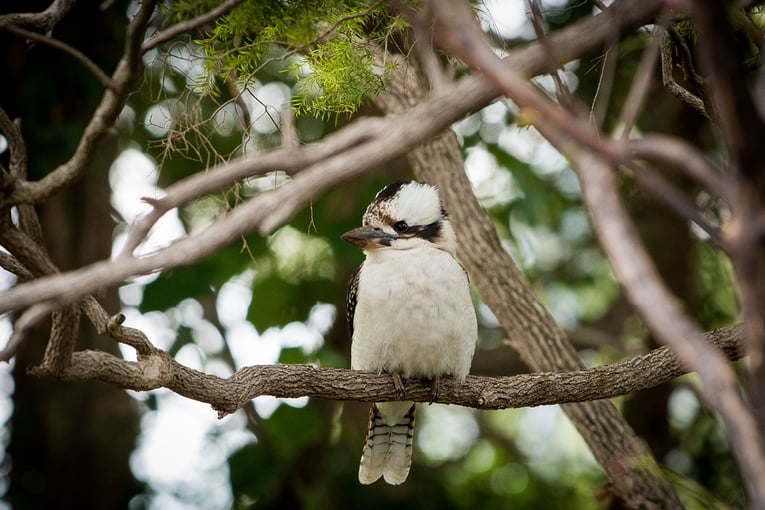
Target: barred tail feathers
{"type": "Point", "coordinates": [388, 447]}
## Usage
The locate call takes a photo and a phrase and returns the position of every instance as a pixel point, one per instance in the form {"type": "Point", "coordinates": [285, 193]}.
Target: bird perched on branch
{"type": "Point", "coordinates": [409, 312]}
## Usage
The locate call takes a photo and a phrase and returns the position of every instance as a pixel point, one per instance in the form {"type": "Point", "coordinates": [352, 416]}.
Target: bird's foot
{"type": "Point", "coordinates": [435, 384]}
{"type": "Point", "coordinates": [398, 383]}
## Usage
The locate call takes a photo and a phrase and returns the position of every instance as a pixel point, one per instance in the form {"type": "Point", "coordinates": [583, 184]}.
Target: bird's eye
{"type": "Point", "coordinates": [400, 226]}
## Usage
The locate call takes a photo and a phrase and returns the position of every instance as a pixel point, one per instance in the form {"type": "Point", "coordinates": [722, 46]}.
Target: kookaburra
{"type": "Point", "coordinates": [409, 313]}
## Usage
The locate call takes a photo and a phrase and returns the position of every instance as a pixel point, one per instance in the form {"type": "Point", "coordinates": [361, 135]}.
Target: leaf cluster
{"type": "Point", "coordinates": [326, 46]}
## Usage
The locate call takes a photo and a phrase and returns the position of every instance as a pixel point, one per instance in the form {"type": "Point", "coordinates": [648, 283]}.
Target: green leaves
{"type": "Point", "coordinates": [338, 70]}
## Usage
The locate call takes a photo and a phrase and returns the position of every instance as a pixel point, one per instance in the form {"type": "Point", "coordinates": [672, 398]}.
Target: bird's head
{"type": "Point", "coordinates": [404, 215]}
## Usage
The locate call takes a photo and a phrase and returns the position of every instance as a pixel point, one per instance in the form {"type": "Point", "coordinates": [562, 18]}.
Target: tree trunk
{"type": "Point", "coordinates": [70, 443]}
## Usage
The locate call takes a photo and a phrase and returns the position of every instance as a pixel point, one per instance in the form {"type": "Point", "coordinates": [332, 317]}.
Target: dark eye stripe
{"type": "Point", "coordinates": [430, 232]}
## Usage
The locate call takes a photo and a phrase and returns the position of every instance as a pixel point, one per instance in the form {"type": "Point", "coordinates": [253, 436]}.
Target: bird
{"type": "Point", "coordinates": [410, 314]}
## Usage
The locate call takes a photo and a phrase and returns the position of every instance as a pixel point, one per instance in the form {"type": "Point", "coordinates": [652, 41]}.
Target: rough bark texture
{"type": "Point", "coordinates": [157, 369]}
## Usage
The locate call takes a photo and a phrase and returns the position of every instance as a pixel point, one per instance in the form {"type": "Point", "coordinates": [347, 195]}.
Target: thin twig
{"type": "Point", "coordinates": [640, 85]}
{"type": "Point", "coordinates": [64, 48]}
{"type": "Point", "coordinates": [537, 20]}
{"type": "Point", "coordinates": [605, 86]}
{"type": "Point", "coordinates": [342, 19]}
{"type": "Point", "coordinates": [189, 25]}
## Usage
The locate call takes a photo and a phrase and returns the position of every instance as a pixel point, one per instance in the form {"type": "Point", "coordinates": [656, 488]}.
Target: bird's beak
{"type": "Point", "coordinates": [368, 238]}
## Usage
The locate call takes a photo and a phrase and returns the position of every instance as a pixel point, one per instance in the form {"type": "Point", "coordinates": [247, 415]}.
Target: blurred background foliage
{"type": "Point", "coordinates": [281, 298]}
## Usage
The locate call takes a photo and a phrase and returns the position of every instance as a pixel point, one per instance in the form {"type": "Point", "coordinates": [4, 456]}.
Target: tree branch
{"type": "Point", "coordinates": [683, 156]}
{"type": "Point", "coordinates": [157, 369]}
{"type": "Point", "coordinates": [189, 25]}
{"type": "Point", "coordinates": [663, 314]}
{"type": "Point", "coordinates": [41, 21]}
{"type": "Point", "coordinates": [65, 48]}
{"type": "Point", "coordinates": [376, 141]}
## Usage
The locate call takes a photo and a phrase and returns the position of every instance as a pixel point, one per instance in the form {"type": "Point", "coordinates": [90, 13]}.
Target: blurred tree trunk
{"type": "Point", "coordinates": [70, 443]}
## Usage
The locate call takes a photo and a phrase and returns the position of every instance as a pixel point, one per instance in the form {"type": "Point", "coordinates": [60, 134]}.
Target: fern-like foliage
{"type": "Point", "coordinates": [326, 45]}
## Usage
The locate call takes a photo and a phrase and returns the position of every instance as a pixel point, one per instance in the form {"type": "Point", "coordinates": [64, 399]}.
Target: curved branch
{"type": "Point", "coordinates": [65, 48]}
{"type": "Point", "coordinates": [664, 316]}
{"type": "Point", "coordinates": [159, 370]}
{"type": "Point", "coordinates": [42, 21]}
{"type": "Point", "coordinates": [287, 159]}
{"type": "Point", "coordinates": [683, 156]}
{"type": "Point", "coordinates": [189, 25]}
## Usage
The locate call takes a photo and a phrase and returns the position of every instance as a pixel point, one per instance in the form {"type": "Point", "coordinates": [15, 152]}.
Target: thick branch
{"type": "Point", "coordinates": [655, 304]}
{"type": "Point", "coordinates": [41, 21]}
{"type": "Point", "coordinates": [159, 370]}
{"type": "Point", "coordinates": [663, 314]}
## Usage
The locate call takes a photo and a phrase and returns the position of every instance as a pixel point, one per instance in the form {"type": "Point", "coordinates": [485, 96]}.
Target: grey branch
{"type": "Point", "coordinates": [157, 369]}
